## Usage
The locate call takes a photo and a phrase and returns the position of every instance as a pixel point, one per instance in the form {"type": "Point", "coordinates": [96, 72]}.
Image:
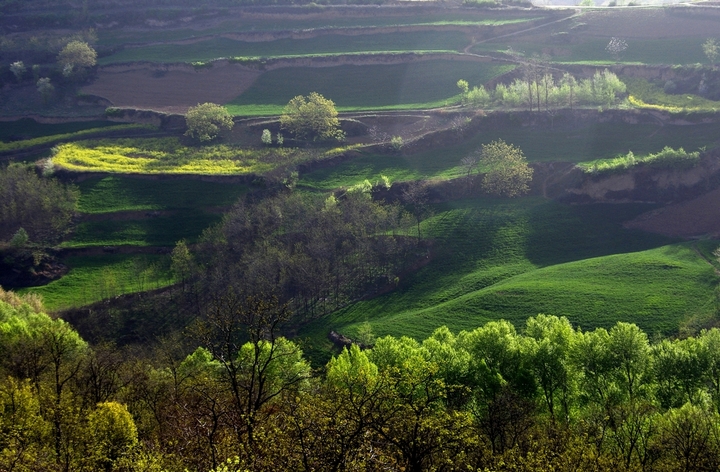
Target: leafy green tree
{"type": "Point", "coordinates": [312, 117]}
{"type": "Point", "coordinates": [507, 172]}
{"type": "Point", "coordinates": [18, 69]}
{"type": "Point", "coordinates": [45, 89]}
{"type": "Point", "coordinates": [42, 207]}
{"type": "Point", "coordinates": [206, 121]}
{"type": "Point", "coordinates": [111, 432]}
{"type": "Point", "coordinates": [711, 49]}
{"type": "Point", "coordinates": [76, 57]}
{"type": "Point", "coordinates": [266, 137]}
{"type": "Point", "coordinates": [548, 344]}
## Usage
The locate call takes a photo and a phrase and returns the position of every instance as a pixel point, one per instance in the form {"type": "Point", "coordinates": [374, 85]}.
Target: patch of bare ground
{"type": "Point", "coordinates": [170, 89]}
{"type": "Point", "coordinates": [693, 218]}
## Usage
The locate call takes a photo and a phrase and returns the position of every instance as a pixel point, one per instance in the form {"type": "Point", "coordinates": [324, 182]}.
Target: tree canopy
{"type": "Point", "coordinates": [507, 171]}
{"type": "Point", "coordinates": [76, 56]}
{"type": "Point", "coordinates": [312, 117]}
{"type": "Point", "coordinates": [206, 121]}
{"type": "Point", "coordinates": [43, 207]}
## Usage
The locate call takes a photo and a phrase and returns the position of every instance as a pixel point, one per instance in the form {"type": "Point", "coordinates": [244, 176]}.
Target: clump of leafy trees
{"type": "Point", "coordinates": [312, 117]}
{"type": "Point", "coordinates": [507, 172]}
{"type": "Point", "coordinates": [42, 207]}
{"type": "Point", "coordinates": [548, 397]}
{"type": "Point", "coordinates": [207, 121]}
{"type": "Point", "coordinates": [543, 91]}
{"type": "Point", "coordinates": [316, 253]}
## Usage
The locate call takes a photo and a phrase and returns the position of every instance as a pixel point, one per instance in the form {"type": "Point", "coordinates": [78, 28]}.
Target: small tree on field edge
{"type": "Point", "coordinates": [312, 117]}
{"type": "Point", "coordinates": [507, 172]}
{"type": "Point", "coordinates": [205, 122]}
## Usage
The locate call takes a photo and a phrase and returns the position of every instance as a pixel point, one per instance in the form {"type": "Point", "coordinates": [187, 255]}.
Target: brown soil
{"type": "Point", "coordinates": [171, 89]}
{"type": "Point", "coordinates": [698, 217]}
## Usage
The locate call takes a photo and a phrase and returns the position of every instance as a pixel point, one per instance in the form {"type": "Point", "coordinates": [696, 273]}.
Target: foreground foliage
{"type": "Point", "coordinates": [548, 398]}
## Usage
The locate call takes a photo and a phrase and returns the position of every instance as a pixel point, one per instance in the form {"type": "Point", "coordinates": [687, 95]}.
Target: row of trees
{"type": "Point", "coordinates": [548, 398]}
{"type": "Point", "coordinates": [542, 91]}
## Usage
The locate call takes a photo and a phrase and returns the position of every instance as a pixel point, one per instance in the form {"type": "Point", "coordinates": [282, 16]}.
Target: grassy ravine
{"type": "Point", "coordinates": [565, 142]}
{"type": "Point", "coordinates": [425, 84]}
{"type": "Point", "coordinates": [513, 259]}
{"type": "Point", "coordinates": [95, 278]}
{"type": "Point", "coordinates": [219, 47]}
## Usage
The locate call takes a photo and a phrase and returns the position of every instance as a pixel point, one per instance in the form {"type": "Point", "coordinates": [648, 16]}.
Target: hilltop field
{"type": "Point", "coordinates": [602, 236]}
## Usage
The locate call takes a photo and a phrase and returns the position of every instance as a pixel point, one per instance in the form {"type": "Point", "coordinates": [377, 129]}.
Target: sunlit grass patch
{"type": "Point", "coordinates": [95, 278]}
{"type": "Point", "coordinates": [667, 158]}
{"type": "Point", "coordinates": [169, 156]}
{"type": "Point", "coordinates": [644, 94]}
{"type": "Point", "coordinates": [42, 140]}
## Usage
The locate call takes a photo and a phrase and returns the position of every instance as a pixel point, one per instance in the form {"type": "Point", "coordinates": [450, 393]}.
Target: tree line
{"type": "Point", "coordinates": [541, 90]}
{"type": "Point", "coordinates": [549, 397]}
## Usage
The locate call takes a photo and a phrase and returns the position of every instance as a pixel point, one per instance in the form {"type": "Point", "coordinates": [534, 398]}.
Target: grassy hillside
{"type": "Point", "coordinates": [565, 142]}
{"type": "Point", "coordinates": [369, 87]}
{"type": "Point", "coordinates": [516, 258]}
{"type": "Point", "coordinates": [94, 278]}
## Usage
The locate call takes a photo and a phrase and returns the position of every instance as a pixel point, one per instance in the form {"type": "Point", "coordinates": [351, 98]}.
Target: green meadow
{"type": "Point", "coordinates": [219, 47]}
{"type": "Point", "coordinates": [422, 84]}
{"type": "Point", "coordinates": [95, 278]}
{"type": "Point", "coordinates": [565, 143]}
{"type": "Point", "coordinates": [513, 259]}
{"type": "Point", "coordinates": [115, 193]}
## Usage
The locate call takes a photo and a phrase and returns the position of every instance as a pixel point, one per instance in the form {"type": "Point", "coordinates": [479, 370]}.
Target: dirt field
{"type": "Point", "coordinates": [698, 217]}
{"type": "Point", "coordinates": [170, 89]}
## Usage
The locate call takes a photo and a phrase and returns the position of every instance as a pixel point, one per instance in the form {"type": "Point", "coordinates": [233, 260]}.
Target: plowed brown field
{"type": "Point", "coordinates": [171, 89]}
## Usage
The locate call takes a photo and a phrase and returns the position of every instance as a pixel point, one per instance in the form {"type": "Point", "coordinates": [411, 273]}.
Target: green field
{"type": "Point", "coordinates": [152, 231]}
{"type": "Point", "coordinates": [94, 278]}
{"type": "Point", "coordinates": [679, 51]}
{"type": "Point", "coordinates": [219, 47]}
{"type": "Point", "coordinates": [27, 128]}
{"type": "Point", "coordinates": [371, 87]}
{"type": "Point", "coordinates": [309, 22]}
{"type": "Point", "coordinates": [565, 142]}
{"type": "Point", "coordinates": [119, 193]}
{"type": "Point", "coordinates": [516, 258]}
